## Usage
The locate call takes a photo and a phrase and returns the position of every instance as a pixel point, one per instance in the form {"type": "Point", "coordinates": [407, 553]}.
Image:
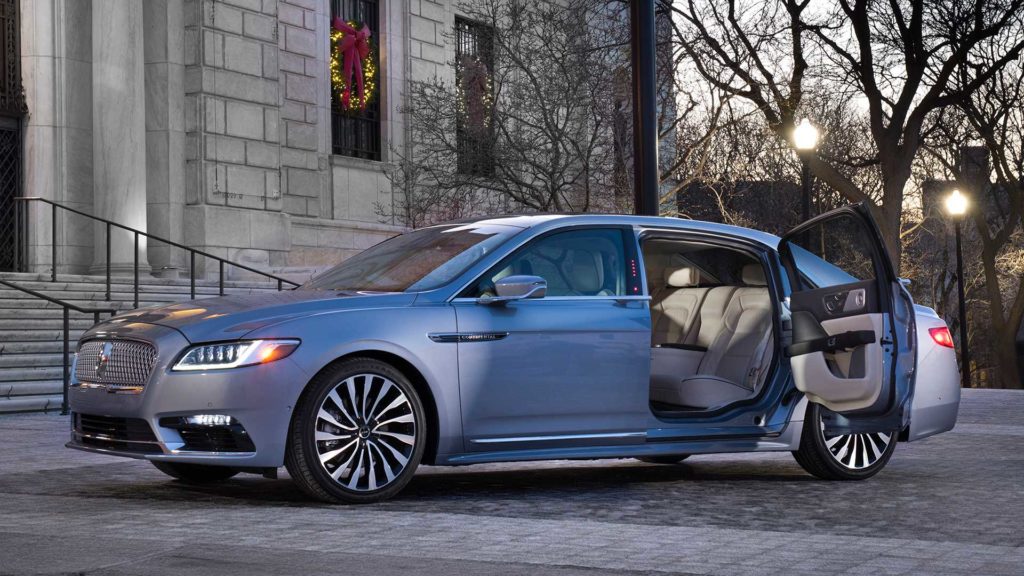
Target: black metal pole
{"type": "Point", "coordinates": [192, 275]}
{"type": "Point", "coordinates": [135, 271]}
{"type": "Point", "coordinates": [645, 101]}
{"type": "Point", "coordinates": [965, 355]}
{"type": "Point", "coordinates": [805, 185]}
{"type": "Point", "coordinates": [53, 242]}
{"type": "Point", "coordinates": [67, 352]}
{"type": "Point", "coordinates": [108, 262]}
{"type": "Point", "coordinates": [220, 276]}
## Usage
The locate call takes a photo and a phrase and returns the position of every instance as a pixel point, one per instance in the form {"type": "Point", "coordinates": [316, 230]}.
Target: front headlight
{"type": "Point", "coordinates": [234, 354]}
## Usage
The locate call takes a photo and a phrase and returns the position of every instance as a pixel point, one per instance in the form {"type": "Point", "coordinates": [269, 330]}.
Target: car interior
{"type": "Point", "coordinates": [711, 320]}
{"type": "Point", "coordinates": [578, 263]}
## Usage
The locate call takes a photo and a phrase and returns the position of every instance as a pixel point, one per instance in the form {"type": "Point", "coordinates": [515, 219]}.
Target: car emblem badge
{"type": "Point", "coordinates": [104, 359]}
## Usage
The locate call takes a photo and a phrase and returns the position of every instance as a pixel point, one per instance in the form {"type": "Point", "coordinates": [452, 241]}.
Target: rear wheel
{"type": "Point", "coordinates": [358, 433]}
{"type": "Point", "coordinates": [195, 473]}
{"type": "Point", "coordinates": [675, 459]}
{"type": "Point", "coordinates": [843, 456]}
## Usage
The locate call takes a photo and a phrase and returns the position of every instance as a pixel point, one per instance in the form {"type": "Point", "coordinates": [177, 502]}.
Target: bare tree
{"type": "Point", "coordinates": [900, 58]}
{"type": "Point", "coordinates": [993, 116]}
{"type": "Point", "coordinates": [528, 128]}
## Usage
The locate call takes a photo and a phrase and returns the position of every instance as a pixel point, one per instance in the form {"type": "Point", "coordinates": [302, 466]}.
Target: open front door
{"type": "Point", "coordinates": [848, 319]}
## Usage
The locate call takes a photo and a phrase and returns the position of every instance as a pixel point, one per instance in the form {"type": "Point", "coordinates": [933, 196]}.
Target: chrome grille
{"type": "Point", "coordinates": [128, 363]}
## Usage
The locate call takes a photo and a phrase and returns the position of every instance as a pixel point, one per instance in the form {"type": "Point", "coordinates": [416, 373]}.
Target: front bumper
{"type": "Point", "coordinates": [259, 398]}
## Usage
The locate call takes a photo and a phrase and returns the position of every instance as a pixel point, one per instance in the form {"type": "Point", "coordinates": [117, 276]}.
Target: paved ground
{"type": "Point", "coordinates": [952, 504]}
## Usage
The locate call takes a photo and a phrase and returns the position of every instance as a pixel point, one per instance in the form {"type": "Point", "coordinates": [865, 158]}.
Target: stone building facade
{"type": "Point", "coordinates": [213, 123]}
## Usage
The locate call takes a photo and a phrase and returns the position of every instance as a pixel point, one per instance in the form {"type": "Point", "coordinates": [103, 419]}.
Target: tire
{"type": "Point", "coordinates": [664, 459]}
{"type": "Point", "coordinates": [196, 473]}
{"type": "Point", "coordinates": [358, 433]}
{"type": "Point", "coordinates": [844, 457]}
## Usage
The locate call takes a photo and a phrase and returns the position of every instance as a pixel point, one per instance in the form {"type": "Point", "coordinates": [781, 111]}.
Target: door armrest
{"type": "Point", "coordinates": [844, 341]}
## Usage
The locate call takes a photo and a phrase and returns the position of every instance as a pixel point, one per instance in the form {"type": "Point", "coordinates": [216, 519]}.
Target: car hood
{"type": "Point", "coordinates": [232, 317]}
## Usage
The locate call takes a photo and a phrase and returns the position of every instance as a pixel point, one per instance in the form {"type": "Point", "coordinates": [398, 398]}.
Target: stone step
{"type": "Point", "coordinates": [143, 286]}
{"type": "Point", "coordinates": [16, 336]}
{"type": "Point", "coordinates": [144, 280]}
{"type": "Point", "coordinates": [16, 360]}
{"type": "Point", "coordinates": [43, 403]}
{"type": "Point", "coordinates": [151, 293]}
{"type": "Point", "coordinates": [76, 321]}
{"type": "Point", "coordinates": [31, 387]}
{"type": "Point", "coordinates": [8, 347]}
{"type": "Point", "coordinates": [33, 374]}
{"type": "Point", "coordinates": [27, 313]}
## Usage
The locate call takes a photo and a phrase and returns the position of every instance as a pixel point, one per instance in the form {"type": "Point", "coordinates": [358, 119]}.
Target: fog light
{"type": "Point", "coordinates": [210, 420]}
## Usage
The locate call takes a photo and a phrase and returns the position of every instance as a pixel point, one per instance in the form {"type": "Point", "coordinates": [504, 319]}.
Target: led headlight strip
{"type": "Point", "coordinates": [234, 354]}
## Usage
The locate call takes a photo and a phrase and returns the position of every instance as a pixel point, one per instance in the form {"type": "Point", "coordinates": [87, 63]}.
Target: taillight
{"type": "Point", "coordinates": [941, 336]}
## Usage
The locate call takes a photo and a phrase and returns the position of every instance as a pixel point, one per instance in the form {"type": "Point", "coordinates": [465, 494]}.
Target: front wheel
{"type": "Point", "coordinates": [195, 473]}
{"type": "Point", "coordinates": [843, 456]}
{"type": "Point", "coordinates": [358, 433]}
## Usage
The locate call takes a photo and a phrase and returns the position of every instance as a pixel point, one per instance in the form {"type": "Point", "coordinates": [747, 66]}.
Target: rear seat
{"type": "Point", "coordinates": [674, 308]}
{"type": "Point", "coordinates": [735, 327]}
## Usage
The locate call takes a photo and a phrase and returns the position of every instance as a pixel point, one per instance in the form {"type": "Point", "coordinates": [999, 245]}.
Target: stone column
{"type": "Point", "coordinates": [164, 39]}
{"type": "Point", "coordinates": [119, 129]}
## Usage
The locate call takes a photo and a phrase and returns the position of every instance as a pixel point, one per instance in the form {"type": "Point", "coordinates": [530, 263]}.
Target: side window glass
{"type": "Point", "coordinates": [589, 262]}
{"type": "Point", "coordinates": [835, 252]}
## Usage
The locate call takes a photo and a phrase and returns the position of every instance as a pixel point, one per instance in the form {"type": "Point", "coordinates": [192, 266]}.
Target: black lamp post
{"type": "Point", "coordinates": [956, 206]}
{"type": "Point", "coordinates": [643, 34]}
{"type": "Point", "coordinates": [805, 138]}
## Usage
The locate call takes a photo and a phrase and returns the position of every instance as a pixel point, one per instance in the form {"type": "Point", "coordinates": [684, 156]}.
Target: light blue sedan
{"type": "Point", "coordinates": [532, 338]}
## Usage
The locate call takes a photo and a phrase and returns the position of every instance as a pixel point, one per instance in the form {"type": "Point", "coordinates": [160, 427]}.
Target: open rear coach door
{"type": "Point", "coordinates": [853, 336]}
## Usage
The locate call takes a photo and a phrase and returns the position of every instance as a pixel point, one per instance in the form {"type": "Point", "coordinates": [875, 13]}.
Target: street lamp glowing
{"type": "Point", "coordinates": [805, 136]}
{"type": "Point", "coordinates": [956, 203]}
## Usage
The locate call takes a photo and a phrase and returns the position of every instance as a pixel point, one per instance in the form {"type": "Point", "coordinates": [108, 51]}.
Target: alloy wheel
{"type": "Point", "coordinates": [856, 451]}
{"type": "Point", "coordinates": [365, 432]}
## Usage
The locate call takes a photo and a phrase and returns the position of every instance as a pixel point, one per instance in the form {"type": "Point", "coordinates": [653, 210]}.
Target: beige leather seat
{"type": "Point", "coordinates": [585, 271]}
{"type": "Point", "coordinates": [675, 307]}
{"type": "Point", "coordinates": [735, 325]}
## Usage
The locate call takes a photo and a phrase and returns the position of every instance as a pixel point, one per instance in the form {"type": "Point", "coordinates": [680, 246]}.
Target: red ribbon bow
{"type": "Point", "coordinates": [353, 47]}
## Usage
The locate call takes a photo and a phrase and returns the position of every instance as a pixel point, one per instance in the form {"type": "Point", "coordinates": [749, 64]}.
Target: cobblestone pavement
{"type": "Point", "coordinates": [952, 504]}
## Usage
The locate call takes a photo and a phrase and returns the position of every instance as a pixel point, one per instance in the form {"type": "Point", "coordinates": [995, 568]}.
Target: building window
{"type": "Point", "coordinates": [356, 133]}
{"type": "Point", "coordinates": [474, 76]}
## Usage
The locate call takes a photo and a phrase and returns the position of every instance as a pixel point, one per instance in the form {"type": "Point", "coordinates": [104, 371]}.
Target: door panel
{"type": "Point", "coordinates": [571, 367]}
{"type": "Point", "coordinates": [575, 368]}
{"type": "Point", "coordinates": [843, 379]}
{"type": "Point", "coordinates": [844, 332]}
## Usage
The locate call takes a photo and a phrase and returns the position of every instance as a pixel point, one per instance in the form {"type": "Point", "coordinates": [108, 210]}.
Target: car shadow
{"type": "Point", "coordinates": [431, 486]}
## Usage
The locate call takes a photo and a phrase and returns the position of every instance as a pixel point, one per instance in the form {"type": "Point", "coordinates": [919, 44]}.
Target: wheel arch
{"type": "Point", "coordinates": [415, 376]}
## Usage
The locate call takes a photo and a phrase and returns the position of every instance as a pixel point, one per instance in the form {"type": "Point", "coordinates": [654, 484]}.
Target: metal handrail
{"type": "Point", "coordinates": [136, 232]}
{"type": "Point", "coordinates": [67, 307]}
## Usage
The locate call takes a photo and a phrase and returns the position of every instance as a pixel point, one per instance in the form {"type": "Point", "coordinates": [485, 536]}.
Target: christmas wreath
{"type": "Point", "coordinates": [353, 66]}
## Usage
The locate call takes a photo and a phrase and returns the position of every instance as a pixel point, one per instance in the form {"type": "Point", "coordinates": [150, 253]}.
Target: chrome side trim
{"type": "Point", "coordinates": [571, 298]}
{"type": "Point", "coordinates": [606, 435]}
{"type": "Point", "coordinates": [451, 337]}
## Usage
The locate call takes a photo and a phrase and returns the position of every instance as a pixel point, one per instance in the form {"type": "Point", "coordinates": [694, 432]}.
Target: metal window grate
{"type": "Point", "coordinates": [357, 134]}
{"type": "Point", "coordinates": [12, 109]}
{"type": "Point", "coordinates": [474, 72]}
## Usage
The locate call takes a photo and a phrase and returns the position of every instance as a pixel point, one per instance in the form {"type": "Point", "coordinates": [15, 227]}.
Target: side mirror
{"type": "Point", "coordinates": [905, 282]}
{"type": "Point", "coordinates": [512, 288]}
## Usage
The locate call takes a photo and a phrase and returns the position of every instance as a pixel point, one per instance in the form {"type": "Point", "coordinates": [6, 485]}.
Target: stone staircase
{"type": "Point", "coordinates": [31, 329]}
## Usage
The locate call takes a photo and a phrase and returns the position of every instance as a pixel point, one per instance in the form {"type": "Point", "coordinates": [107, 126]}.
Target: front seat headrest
{"type": "Point", "coordinates": [586, 271]}
{"type": "Point", "coordinates": [753, 275]}
{"type": "Point", "coordinates": [684, 277]}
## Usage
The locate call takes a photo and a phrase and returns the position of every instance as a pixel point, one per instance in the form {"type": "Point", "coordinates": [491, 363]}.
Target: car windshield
{"type": "Point", "coordinates": [420, 260]}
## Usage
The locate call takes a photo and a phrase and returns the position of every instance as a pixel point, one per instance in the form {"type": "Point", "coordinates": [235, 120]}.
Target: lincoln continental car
{"type": "Point", "coordinates": [532, 338]}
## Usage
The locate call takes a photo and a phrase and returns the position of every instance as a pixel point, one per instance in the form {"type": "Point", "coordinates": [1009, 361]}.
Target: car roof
{"type": "Point", "coordinates": [557, 220]}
